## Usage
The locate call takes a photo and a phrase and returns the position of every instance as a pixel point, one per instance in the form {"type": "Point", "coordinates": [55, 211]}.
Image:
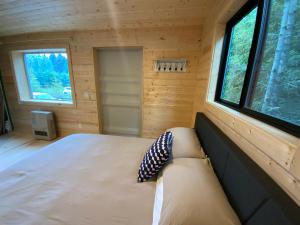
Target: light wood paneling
{"type": "Point", "coordinates": [278, 153]}
{"type": "Point", "coordinates": [60, 15]}
{"type": "Point", "coordinates": [167, 97]}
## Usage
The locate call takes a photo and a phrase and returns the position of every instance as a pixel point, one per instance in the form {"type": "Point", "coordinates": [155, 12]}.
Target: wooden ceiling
{"type": "Point", "coordinates": [26, 16]}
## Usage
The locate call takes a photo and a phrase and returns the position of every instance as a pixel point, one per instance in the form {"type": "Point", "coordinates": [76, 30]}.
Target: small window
{"type": "Point", "coordinates": [260, 71]}
{"type": "Point", "coordinates": [43, 75]}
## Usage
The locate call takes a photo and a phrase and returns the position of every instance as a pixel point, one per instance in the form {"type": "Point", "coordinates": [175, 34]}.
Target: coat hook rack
{"type": "Point", "coordinates": [170, 65]}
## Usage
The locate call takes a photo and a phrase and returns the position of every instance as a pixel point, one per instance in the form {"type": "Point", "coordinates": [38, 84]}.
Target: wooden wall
{"type": "Point", "coordinates": [278, 153]}
{"type": "Point", "coordinates": [168, 98]}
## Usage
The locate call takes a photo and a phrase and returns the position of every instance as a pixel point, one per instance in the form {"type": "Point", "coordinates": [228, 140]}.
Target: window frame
{"type": "Point", "coordinates": [22, 74]}
{"type": "Point", "coordinates": [256, 50]}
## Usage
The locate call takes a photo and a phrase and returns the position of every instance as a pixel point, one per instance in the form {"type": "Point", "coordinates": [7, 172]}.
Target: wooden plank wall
{"type": "Point", "coordinates": [278, 153]}
{"type": "Point", "coordinates": [167, 97]}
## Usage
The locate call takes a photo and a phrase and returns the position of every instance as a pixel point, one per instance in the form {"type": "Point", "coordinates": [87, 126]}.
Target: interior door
{"type": "Point", "coordinates": [120, 71]}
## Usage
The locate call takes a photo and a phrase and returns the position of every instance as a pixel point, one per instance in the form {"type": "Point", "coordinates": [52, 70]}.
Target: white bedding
{"type": "Point", "coordinates": [83, 179]}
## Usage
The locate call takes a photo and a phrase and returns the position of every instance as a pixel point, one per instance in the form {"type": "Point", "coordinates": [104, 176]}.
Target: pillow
{"type": "Point", "coordinates": [156, 157]}
{"type": "Point", "coordinates": [186, 143]}
{"type": "Point", "coordinates": [158, 200]}
{"type": "Point", "coordinates": [192, 195]}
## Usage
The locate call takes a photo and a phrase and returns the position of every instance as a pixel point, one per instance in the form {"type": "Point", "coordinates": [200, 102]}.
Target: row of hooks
{"type": "Point", "coordinates": [170, 65]}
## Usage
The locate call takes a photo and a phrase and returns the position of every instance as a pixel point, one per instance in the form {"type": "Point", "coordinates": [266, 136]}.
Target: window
{"type": "Point", "coordinates": [241, 35]}
{"type": "Point", "coordinates": [43, 75]}
{"type": "Point", "coordinates": [260, 67]}
{"type": "Point", "coordinates": [277, 85]}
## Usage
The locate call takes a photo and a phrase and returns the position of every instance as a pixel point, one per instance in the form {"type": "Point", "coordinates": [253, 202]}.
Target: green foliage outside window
{"type": "Point", "coordinates": [275, 90]}
{"type": "Point", "coordinates": [237, 59]}
{"type": "Point", "coordinates": [48, 76]}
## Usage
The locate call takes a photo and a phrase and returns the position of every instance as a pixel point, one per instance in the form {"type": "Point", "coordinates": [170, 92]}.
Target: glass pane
{"type": "Point", "coordinates": [48, 76]}
{"type": "Point", "coordinates": [277, 86]}
{"type": "Point", "coordinates": [237, 59]}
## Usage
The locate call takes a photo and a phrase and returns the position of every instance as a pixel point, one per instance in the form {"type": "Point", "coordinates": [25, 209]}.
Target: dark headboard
{"type": "Point", "coordinates": [255, 197]}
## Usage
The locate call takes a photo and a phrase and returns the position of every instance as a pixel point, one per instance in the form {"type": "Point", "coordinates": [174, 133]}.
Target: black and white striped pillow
{"type": "Point", "coordinates": [156, 157]}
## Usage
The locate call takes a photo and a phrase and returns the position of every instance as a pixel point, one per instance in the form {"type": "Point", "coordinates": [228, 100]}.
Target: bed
{"type": "Point", "coordinates": [87, 179]}
{"type": "Point", "coordinates": [81, 179]}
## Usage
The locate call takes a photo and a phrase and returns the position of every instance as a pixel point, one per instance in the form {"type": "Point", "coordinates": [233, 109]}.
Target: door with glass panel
{"type": "Point", "coordinates": [120, 72]}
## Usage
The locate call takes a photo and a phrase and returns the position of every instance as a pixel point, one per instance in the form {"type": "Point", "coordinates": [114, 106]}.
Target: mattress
{"type": "Point", "coordinates": [83, 179]}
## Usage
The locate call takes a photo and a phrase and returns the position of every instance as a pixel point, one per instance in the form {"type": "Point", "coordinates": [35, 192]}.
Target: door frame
{"type": "Point", "coordinates": [97, 77]}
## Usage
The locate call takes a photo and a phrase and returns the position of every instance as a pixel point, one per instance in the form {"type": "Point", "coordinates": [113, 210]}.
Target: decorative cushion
{"type": "Point", "coordinates": [186, 143]}
{"type": "Point", "coordinates": [156, 157]}
{"type": "Point", "coordinates": [192, 195]}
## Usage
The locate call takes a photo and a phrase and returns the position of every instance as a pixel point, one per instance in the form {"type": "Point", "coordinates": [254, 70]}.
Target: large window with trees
{"type": "Point", "coordinates": [260, 66]}
{"type": "Point", "coordinates": [43, 75]}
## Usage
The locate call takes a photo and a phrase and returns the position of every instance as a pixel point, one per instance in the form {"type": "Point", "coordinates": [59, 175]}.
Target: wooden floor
{"type": "Point", "coordinates": [15, 147]}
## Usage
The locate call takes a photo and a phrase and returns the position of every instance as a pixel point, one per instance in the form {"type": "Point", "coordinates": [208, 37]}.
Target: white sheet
{"type": "Point", "coordinates": [158, 200]}
{"type": "Point", "coordinates": [80, 180]}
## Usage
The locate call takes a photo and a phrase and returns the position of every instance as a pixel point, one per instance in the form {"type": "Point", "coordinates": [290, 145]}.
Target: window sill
{"type": "Point", "coordinates": [257, 138]}
{"type": "Point", "coordinates": [254, 123]}
{"type": "Point", "coordinates": [47, 103]}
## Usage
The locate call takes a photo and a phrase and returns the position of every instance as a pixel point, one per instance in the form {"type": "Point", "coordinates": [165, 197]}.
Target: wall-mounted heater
{"type": "Point", "coordinates": [170, 65]}
{"type": "Point", "coordinates": [43, 126]}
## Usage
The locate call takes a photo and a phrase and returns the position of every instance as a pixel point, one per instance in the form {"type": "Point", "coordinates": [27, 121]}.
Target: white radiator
{"type": "Point", "coordinates": [43, 126]}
